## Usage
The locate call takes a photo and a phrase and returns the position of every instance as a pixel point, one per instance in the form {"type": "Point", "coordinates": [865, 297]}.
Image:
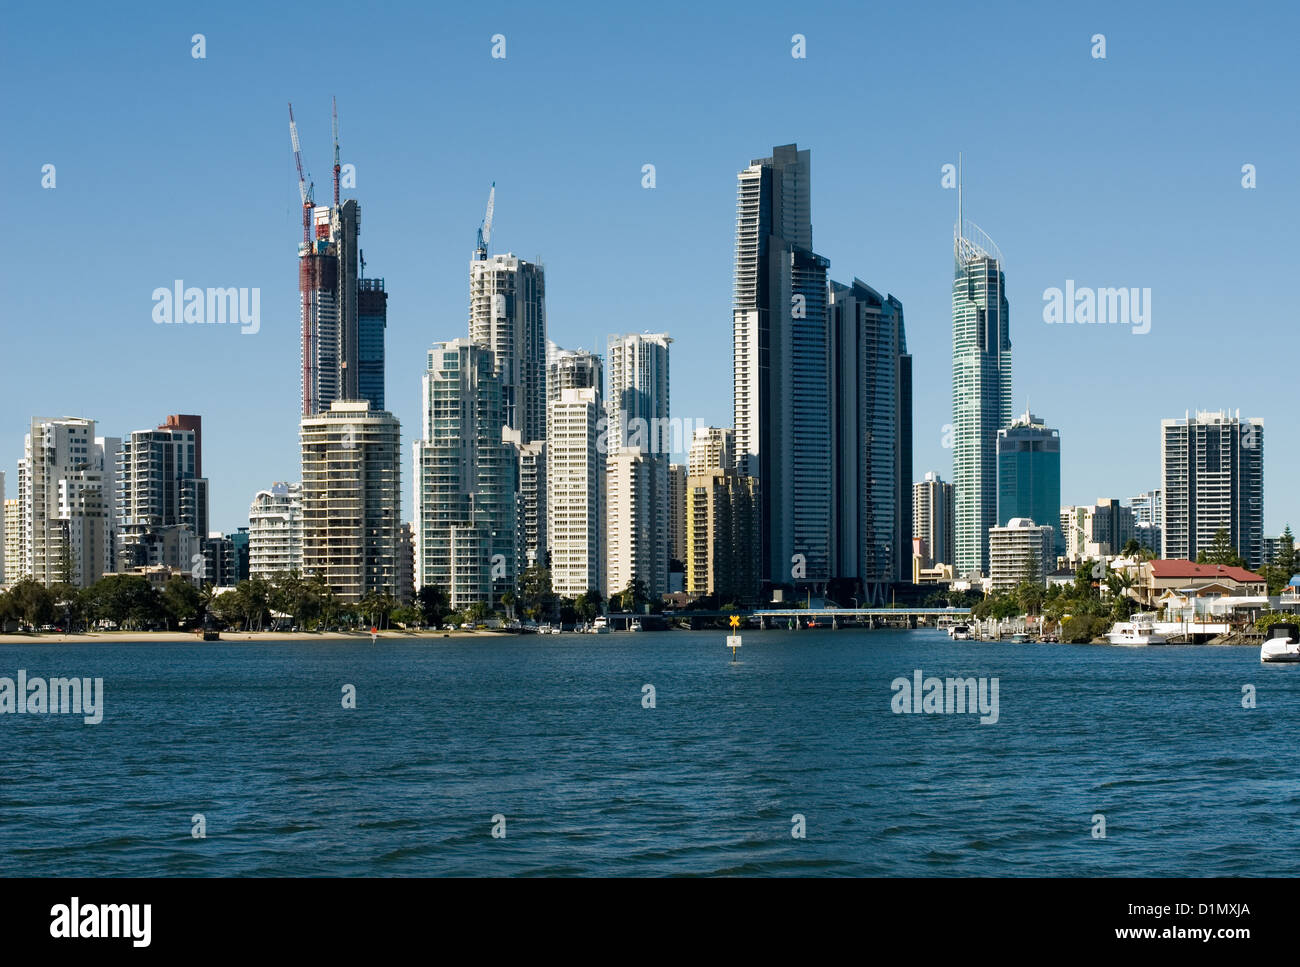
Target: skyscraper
{"type": "Point", "coordinates": [575, 471]}
{"type": "Point", "coordinates": [466, 523]}
{"type": "Point", "coordinates": [1029, 475]}
{"type": "Point", "coordinates": [15, 569]}
{"type": "Point", "coordinates": [162, 501]}
{"type": "Point", "coordinates": [638, 447]}
{"type": "Point", "coordinates": [870, 403]}
{"type": "Point", "coordinates": [932, 517]}
{"type": "Point", "coordinates": [676, 512]}
{"type": "Point", "coordinates": [575, 476]}
{"type": "Point", "coordinates": [1213, 479]}
{"type": "Point", "coordinates": [329, 299]}
{"type": "Point", "coordinates": [981, 388]}
{"type": "Point", "coordinates": [781, 340]}
{"type": "Point", "coordinates": [507, 314]}
{"type": "Point", "coordinates": [351, 498]}
{"type": "Point", "coordinates": [372, 321]}
{"type": "Point", "coordinates": [65, 489]}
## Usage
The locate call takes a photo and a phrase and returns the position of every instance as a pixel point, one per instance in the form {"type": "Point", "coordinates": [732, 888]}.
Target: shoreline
{"type": "Point", "coordinates": [180, 637]}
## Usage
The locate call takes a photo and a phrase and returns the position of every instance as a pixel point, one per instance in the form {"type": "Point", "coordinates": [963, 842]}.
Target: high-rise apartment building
{"type": "Point", "coordinates": [712, 448]}
{"type": "Point", "coordinates": [721, 527]}
{"type": "Point", "coordinates": [275, 531]}
{"type": "Point", "coordinates": [575, 477]}
{"type": "Point", "coordinates": [466, 521]}
{"type": "Point", "coordinates": [507, 314]}
{"type": "Point", "coordinates": [981, 389]}
{"type": "Point", "coordinates": [780, 357]}
{"type": "Point", "coordinates": [1212, 480]}
{"type": "Point", "coordinates": [15, 569]}
{"type": "Point", "coordinates": [1020, 551]}
{"type": "Point", "coordinates": [65, 489]}
{"type": "Point", "coordinates": [1029, 474]}
{"type": "Point", "coordinates": [1148, 518]}
{"type": "Point", "coordinates": [1098, 530]}
{"type": "Point", "coordinates": [870, 418]}
{"type": "Point", "coordinates": [351, 498]}
{"type": "Point", "coordinates": [162, 499]}
{"type": "Point", "coordinates": [638, 446]}
{"type": "Point", "coordinates": [532, 504]}
{"type": "Point", "coordinates": [932, 517]}
{"type": "Point", "coordinates": [677, 512]}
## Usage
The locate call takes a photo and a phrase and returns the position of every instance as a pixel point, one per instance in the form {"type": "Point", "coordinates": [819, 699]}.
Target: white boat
{"type": "Point", "coordinates": [1139, 631]}
{"type": "Point", "coordinates": [1283, 647]}
{"type": "Point", "coordinates": [635, 626]}
{"type": "Point", "coordinates": [959, 633]}
{"type": "Point", "coordinates": [600, 626]}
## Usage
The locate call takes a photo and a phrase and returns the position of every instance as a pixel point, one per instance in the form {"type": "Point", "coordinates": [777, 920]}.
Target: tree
{"type": "Point", "coordinates": [536, 592]}
{"type": "Point", "coordinates": [434, 603]}
{"type": "Point", "coordinates": [1132, 548]}
{"type": "Point", "coordinates": [181, 600]}
{"type": "Point", "coordinates": [1029, 597]}
{"type": "Point", "coordinates": [33, 602]}
{"type": "Point", "coordinates": [1286, 554]}
{"type": "Point", "coordinates": [1221, 551]}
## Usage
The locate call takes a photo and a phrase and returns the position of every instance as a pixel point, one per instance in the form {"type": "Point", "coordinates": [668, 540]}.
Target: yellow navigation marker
{"type": "Point", "coordinates": [735, 621]}
{"type": "Point", "coordinates": [733, 641]}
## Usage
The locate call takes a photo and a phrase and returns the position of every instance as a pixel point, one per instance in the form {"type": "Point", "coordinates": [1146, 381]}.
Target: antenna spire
{"type": "Point", "coordinates": [336, 151]}
{"type": "Point", "coordinates": [960, 229]}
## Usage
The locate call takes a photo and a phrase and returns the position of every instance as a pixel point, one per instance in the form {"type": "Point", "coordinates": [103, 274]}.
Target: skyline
{"type": "Point", "coordinates": [574, 197]}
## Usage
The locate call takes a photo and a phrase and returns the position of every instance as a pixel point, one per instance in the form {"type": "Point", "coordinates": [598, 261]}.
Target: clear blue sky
{"type": "Point", "coordinates": [1117, 172]}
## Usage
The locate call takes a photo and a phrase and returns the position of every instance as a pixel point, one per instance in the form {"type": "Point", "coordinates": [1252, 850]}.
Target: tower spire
{"type": "Point", "coordinates": [960, 230]}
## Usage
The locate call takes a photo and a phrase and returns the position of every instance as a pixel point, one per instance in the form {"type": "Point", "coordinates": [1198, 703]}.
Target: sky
{"type": "Point", "coordinates": [1123, 171]}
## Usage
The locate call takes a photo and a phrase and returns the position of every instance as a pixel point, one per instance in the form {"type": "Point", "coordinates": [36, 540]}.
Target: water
{"type": "Point", "coordinates": [550, 732]}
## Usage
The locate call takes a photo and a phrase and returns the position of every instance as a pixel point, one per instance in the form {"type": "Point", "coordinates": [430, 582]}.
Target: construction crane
{"type": "Point", "coordinates": [306, 189]}
{"type": "Point", "coordinates": [485, 230]}
{"type": "Point", "coordinates": [308, 279]}
{"type": "Point", "coordinates": [336, 151]}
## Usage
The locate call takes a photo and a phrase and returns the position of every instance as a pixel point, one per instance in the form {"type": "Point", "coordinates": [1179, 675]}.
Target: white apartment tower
{"type": "Point", "coordinates": [65, 489]}
{"type": "Point", "coordinates": [275, 531]}
{"type": "Point", "coordinates": [638, 447]}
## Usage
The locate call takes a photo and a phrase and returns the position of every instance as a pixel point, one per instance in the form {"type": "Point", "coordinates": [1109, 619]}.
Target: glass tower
{"type": "Point", "coordinates": [981, 389]}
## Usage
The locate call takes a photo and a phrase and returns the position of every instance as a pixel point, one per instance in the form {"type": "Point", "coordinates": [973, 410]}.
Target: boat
{"type": "Point", "coordinates": [1284, 646]}
{"type": "Point", "coordinates": [959, 633]}
{"type": "Point", "coordinates": [635, 626]}
{"type": "Point", "coordinates": [600, 626]}
{"type": "Point", "coordinates": [1139, 631]}
{"type": "Point", "coordinates": [1019, 638]}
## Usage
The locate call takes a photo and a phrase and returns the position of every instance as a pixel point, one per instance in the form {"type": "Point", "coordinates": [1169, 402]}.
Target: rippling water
{"type": "Point", "coordinates": [551, 733]}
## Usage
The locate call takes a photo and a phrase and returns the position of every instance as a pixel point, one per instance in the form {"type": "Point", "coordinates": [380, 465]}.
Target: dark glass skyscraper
{"type": "Point", "coordinates": [372, 320]}
{"type": "Point", "coordinates": [1029, 475]}
{"type": "Point", "coordinates": [781, 343]}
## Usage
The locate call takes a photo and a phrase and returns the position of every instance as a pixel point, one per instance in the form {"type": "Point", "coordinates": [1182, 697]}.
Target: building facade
{"type": "Point", "coordinates": [721, 526]}
{"type": "Point", "coordinates": [932, 518]}
{"type": "Point", "coordinates": [275, 531]}
{"type": "Point", "coordinates": [981, 389]}
{"type": "Point", "coordinates": [1029, 474]}
{"type": "Point", "coordinates": [1212, 480]}
{"type": "Point", "coordinates": [575, 473]}
{"type": "Point", "coordinates": [1020, 551]}
{"type": "Point", "coordinates": [466, 479]}
{"type": "Point", "coordinates": [1097, 530]}
{"type": "Point", "coordinates": [67, 501]}
{"type": "Point", "coordinates": [162, 501]}
{"type": "Point", "coordinates": [351, 498]}
{"type": "Point", "coordinates": [637, 497]}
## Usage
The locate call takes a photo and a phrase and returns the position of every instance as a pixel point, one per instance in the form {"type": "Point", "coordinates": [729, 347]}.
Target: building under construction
{"type": "Point", "coordinates": [329, 292]}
